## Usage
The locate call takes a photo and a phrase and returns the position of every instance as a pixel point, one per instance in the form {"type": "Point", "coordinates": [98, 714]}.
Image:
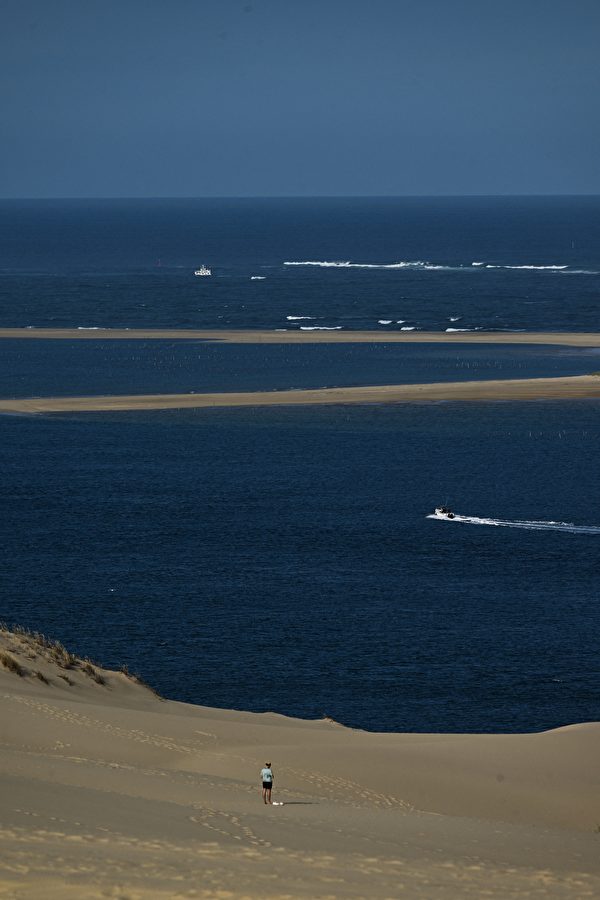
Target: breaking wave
{"type": "Point", "coordinates": [528, 525]}
{"type": "Point", "coordinates": [536, 268]}
{"type": "Point", "coordinates": [425, 266]}
{"type": "Point", "coordinates": [340, 264]}
{"type": "Point", "coordinates": [562, 269]}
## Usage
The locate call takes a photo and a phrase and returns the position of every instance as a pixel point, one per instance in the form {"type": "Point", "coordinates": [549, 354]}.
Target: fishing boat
{"type": "Point", "coordinates": [444, 512]}
{"type": "Point", "coordinates": [203, 270]}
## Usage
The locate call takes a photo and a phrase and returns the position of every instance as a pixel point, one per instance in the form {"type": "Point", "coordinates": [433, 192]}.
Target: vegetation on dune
{"type": "Point", "coordinates": [36, 646]}
{"type": "Point", "coordinates": [137, 679]}
{"type": "Point", "coordinates": [11, 664]}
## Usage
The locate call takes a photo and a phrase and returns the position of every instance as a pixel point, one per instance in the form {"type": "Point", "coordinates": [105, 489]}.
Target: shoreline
{"type": "Point", "coordinates": [562, 388]}
{"type": "Point", "coordinates": [248, 336]}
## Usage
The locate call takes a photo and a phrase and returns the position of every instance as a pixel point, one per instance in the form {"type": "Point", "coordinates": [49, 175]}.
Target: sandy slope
{"type": "Point", "coordinates": [295, 336]}
{"type": "Point", "coordinates": [107, 791]}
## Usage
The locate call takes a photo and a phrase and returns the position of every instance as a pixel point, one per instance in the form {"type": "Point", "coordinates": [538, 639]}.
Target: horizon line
{"type": "Point", "coordinates": [295, 197]}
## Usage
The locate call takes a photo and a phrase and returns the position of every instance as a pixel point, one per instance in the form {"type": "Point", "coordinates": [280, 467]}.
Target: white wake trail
{"type": "Point", "coordinates": [528, 525]}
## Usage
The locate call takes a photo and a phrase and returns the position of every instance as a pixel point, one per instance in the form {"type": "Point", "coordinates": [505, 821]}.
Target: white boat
{"type": "Point", "coordinates": [443, 512]}
{"type": "Point", "coordinates": [203, 271]}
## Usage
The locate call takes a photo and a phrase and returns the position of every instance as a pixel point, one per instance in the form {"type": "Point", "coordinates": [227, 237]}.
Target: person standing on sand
{"type": "Point", "coordinates": [266, 775]}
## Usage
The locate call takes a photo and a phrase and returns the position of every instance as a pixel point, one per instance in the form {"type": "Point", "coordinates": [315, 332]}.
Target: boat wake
{"type": "Point", "coordinates": [528, 525]}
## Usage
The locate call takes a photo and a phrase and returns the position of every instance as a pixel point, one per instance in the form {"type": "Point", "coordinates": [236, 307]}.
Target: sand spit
{"type": "Point", "coordinates": [109, 791]}
{"type": "Point", "coordinates": [572, 387]}
{"type": "Point", "coordinates": [248, 336]}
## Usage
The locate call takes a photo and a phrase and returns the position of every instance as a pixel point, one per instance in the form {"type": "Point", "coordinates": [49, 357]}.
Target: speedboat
{"type": "Point", "coordinates": [203, 271]}
{"type": "Point", "coordinates": [444, 512]}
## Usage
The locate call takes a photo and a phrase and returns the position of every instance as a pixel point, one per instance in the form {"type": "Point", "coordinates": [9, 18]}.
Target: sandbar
{"type": "Point", "coordinates": [569, 387]}
{"type": "Point", "coordinates": [110, 791]}
{"type": "Point", "coordinates": [295, 336]}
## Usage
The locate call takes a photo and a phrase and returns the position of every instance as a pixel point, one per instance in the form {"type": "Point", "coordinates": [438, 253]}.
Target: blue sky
{"type": "Point", "coordinates": [141, 98]}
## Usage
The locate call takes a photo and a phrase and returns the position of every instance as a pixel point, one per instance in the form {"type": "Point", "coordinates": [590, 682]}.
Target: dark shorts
{"type": "Point", "coordinates": [267, 785]}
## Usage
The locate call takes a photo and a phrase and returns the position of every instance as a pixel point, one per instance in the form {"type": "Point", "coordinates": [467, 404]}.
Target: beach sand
{"type": "Point", "coordinates": [110, 792]}
{"type": "Point", "coordinates": [571, 387]}
{"type": "Point", "coordinates": [295, 336]}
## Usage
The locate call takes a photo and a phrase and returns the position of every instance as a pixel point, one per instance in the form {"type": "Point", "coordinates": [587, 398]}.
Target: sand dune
{"type": "Point", "coordinates": [572, 387]}
{"type": "Point", "coordinates": [294, 336]}
{"type": "Point", "coordinates": [109, 791]}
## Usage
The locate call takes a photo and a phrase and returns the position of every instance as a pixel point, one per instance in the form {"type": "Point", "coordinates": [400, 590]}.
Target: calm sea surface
{"type": "Point", "coordinates": [42, 368]}
{"type": "Point", "coordinates": [282, 558]}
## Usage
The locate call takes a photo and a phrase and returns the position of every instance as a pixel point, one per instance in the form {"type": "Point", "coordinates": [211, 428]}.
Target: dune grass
{"type": "Point", "coordinates": [11, 664]}
{"type": "Point", "coordinates": [35, 646]}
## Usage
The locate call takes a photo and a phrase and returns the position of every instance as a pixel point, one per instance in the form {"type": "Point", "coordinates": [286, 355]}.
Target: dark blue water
{"type": "Point", "coordinates": [128, 263]}
{"type": "Point", "coordinates": [282, 558]}
{"type": "Point", "coordinates": [52, 368]}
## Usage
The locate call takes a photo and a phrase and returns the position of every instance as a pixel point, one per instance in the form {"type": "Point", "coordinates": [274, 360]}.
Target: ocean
{"type": "Point", "coordinates": [282, 559]}
{"type": "Point", "coordinates": [493, 263]}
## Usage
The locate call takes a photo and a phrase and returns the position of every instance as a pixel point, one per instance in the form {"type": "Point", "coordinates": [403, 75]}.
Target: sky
{"type": "Point", "coordinates": [192, 98]}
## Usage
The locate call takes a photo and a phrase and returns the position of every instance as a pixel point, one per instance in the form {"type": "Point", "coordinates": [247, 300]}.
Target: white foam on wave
{"type": "Point", "coordinates": [320, 327]}
{"type": "Point", "coordinates": [527, 525]}
{"type": "Point", "coordinates": [88, 328]}
{"type": "Point", "coordinates": [400, 321]}
{"type": "Point", "coordinates": [454, 318]}
{"type": "Point", "coordinates": [298, 318]}
{"type": "Point", "coordinates": [257, 277]}
{"type": "Point", "coordinates": [384, 321]}
{"type": "Point", "coordinates": [347, 264]}
{"type": "Point", "coordinates": [458, 329]}
{"type": "Point", "coordinates": [408, 328]}
{"type": "Point", "coordinates": [425, 266]}
{"type": "Point", "coordinates": [528, 267]}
